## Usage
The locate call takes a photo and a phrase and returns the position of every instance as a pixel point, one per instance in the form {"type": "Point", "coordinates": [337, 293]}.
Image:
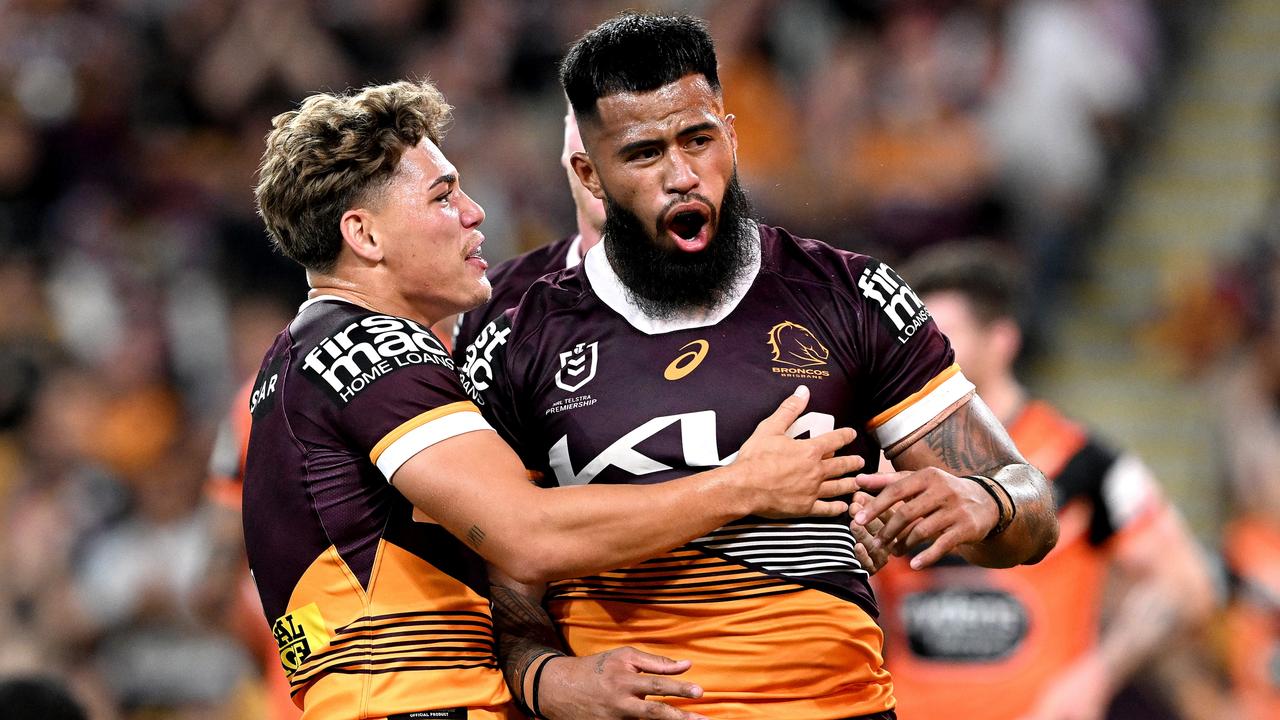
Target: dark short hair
{"type": "Point", "coordinates": [987, 274]}
{"type": "Point", "coordinates": [326, 156]}
{"type": "Point", "coordinates": [636, 53]}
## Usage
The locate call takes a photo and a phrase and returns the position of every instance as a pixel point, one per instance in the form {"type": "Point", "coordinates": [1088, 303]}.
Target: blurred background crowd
{"type": "Point", "coordinates": [139, 290]}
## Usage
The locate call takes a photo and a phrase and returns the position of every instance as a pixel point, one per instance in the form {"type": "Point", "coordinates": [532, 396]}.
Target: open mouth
{"type": "Point", "coordinates": [689, 229]}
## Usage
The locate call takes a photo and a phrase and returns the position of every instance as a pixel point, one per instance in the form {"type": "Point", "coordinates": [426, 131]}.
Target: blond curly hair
{"type": "Point", "coordinates": [331, 154]}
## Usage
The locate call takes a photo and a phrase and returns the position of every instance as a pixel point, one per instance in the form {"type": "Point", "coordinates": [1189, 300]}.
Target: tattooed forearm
{"type": "Point", "coordinates": [963, 448]}
{"type": "Point", "coordinates": [524, 632]}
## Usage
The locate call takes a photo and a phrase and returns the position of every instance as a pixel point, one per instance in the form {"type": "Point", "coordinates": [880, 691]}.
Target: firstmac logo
{"type": "Point", "coordinates": [349, 360]}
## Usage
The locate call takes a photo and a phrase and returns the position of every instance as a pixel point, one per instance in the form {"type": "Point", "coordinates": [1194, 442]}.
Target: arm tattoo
{"type": "Point", "coordinates": [524, 633]}
{"type": "Point", "coordinates": [475, 536]}
{"type": "Point", "coordinates": [963, 447]}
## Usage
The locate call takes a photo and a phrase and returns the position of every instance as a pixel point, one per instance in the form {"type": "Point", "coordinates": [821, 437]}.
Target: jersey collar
{"type": "Point", "coordinates": [609, 288]}
{"type": "Point", "coordinates": [573, 258]}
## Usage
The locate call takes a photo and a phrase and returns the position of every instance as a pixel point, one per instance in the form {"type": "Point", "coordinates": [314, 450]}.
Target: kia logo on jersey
{"type": "Point", "coordinates": [577, 366]}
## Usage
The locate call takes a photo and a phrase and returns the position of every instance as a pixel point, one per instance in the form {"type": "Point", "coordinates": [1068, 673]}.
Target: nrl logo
{"type": "Point", "coordinates": [577, 367]}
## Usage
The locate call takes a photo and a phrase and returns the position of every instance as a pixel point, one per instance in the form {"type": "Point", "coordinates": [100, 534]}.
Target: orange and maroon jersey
{"type": "Point", "coordinates": [375, 614]}
{"type": "Point", "coordinates": [969, 642]}
{"type": "Point", "coordinates": [776, 615]}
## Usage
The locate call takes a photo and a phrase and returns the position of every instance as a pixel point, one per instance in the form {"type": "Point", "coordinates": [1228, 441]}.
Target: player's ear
{"type": "Point", "coordinates": [732, 132]}
{"type": "Point", "coordinates": [359, 236]}
{"type": "Point", "coordinates": [586, 172]}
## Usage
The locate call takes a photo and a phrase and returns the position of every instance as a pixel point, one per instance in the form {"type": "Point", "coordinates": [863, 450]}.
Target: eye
{"type": "Point", "coordinates": [643, 154]}
{"type": "Point", "coordinates": [445, 197]}
{"type": "Point", "coordinates": [700, 140]}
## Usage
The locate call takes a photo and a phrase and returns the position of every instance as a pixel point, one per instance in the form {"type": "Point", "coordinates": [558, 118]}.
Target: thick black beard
{"type": "Point", "coordinates": [664, 282]}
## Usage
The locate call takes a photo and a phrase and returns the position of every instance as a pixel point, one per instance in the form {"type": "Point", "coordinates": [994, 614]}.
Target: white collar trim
{"type": "Point", "coordinates": [574, 258]}
{"type": "Point", "coordinates": [609, 288]}
{"type": "Point", "coordinates": [320, 299]}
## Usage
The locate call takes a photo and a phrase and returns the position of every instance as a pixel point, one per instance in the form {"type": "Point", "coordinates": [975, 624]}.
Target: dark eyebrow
{"type": "Point", "coordinates": [641, 144]}
{"type": "Point", "coordinates": [447, 179]}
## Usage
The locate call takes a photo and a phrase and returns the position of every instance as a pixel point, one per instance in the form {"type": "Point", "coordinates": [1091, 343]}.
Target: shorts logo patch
{"type": "Point", "coordinates": [349, 360]}
{"type": "Point", "coordinates": [797, 352]}
{"type": "Point", "coordinates": [688, 360]}
{"type": "Point", "coordinates": [459, 713]}
{"type": "Point", "coordinates": [577, 366]}
{"type": "Point", "coordinates": [898, 302]}
{"type": "Point", "coordinates": [298, 635]}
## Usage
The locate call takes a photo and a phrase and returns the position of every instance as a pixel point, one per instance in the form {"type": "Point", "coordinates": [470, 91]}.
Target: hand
{"type": "Point", "coordinates": [612, 686]}
{"type": "Point", "coordinates": [871, 561]}
{"type": "Point", "coordinates": [1081, 693]}
{"type": "Point", "coordinates": [928, 505]}
{"type": "Point", "coordinates": [788, 476]}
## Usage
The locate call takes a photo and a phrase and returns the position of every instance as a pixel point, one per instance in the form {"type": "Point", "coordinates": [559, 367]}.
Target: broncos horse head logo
{"type": "Point", "coordinates": [796, 346]}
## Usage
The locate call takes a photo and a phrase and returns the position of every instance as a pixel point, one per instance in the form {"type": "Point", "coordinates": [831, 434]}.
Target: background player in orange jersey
{"type": "Point", "coordinates": [639, 366]}
{"type": "Point", "coordinates": [1029, 643]}
{"type": "Point", "coordinates": [372, 487]}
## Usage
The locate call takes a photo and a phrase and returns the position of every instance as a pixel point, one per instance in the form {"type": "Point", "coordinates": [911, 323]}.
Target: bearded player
{"type": "Point", "coordinates": [646, 363]}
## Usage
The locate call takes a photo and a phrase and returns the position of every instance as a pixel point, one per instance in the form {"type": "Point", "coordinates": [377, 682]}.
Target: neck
{"type": "Point", "coordinates": [1004, 396]}
{"type": "Point", "coordinates": [590, 235]}
{"type": "Point", "coordinates": [366, 297]}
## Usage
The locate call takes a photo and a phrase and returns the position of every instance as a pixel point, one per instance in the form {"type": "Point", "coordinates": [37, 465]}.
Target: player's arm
{"type": "Point", "coordinates": [933, 499]}
{"type": "Point", "coordinates": [1164, 593]}
{"type": "Point", "coordinates": [550, 684]}
{"type": "Point", "coordinates": [476, 487]}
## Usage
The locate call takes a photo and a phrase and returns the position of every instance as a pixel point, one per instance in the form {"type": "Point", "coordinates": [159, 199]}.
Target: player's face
{"type": "Point", "coordinates": [429, 230]}
{"type": "Point", "coordinates": [968, 336]}
{"type": "Point", "coordinates": [666, 156]}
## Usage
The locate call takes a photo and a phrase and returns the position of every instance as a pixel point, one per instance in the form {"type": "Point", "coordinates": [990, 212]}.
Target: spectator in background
{"type": "Point", "coordinates": [1029, 643]}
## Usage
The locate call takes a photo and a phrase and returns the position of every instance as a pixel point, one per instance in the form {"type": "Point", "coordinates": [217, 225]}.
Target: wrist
{"type": "Point", "coordinates": [532, 681]}
{"type": "Point", "coordinates": [1006, 510]}
{"type": "Point", "coordinates": [731, 492]}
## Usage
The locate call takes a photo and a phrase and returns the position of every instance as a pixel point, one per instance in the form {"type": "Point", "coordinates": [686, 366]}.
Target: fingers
{"type": "Point", "coordinates": [654, 710]}
{"type": "Point", "coordinates": [828, 508]}
{"type": "Point", "coordinates": [945, 543]}
{"type": "Point", "coordinates": [666, 687]}
{"type": "Point", "coordinates": [829, 442]}
{"type": "Point", "coordinates": [649, 663]}
{"type": "Point", "coordinates": [893, 487]}
{"type": "Point", "coordinates": [843, 465]}
{"type": "Point", "coordinates": [881, 480]}
{"type": "Point", "coordinates": [787, 413]}
{"type": "Point", "coordinates": [837, 487]}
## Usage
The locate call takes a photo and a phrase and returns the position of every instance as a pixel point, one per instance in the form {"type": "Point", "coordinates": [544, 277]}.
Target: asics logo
{"type": "Point", "coordinates": [688, 361]}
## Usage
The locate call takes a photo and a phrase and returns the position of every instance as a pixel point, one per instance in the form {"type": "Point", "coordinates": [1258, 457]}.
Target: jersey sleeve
{"type": "Point", "coordinates": [394, 387]}
{"type": "Point", "coordinates": [910, 366]}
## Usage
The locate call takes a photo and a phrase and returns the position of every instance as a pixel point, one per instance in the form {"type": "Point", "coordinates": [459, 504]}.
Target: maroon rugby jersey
{"type": "Point", "coordinates": [777, 616]}
{"type": "Point", "coordinates": [509, 280]}
{"type": "Point", "coordinates": [377, 612]}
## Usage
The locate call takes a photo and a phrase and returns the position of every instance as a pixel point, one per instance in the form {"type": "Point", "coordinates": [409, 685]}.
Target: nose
{"type": "Point", "coordinates": [681, 178]}
{"type": "Point", "coordinates": [472, 214]}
